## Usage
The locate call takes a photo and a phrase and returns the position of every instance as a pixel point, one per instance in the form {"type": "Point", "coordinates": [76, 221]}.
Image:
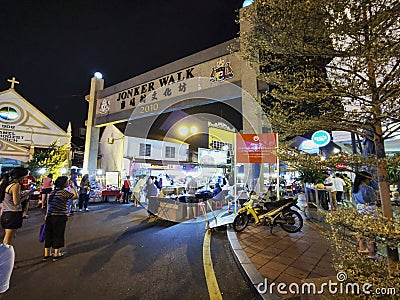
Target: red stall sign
{"type": "Point", "coordinates": [256, 148]}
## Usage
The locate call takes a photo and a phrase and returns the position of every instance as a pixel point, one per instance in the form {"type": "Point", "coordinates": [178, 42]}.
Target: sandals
{"type": "Point", "coordinates": [55, 258]}
{"type": "Point", "coordinates": [365, 251]}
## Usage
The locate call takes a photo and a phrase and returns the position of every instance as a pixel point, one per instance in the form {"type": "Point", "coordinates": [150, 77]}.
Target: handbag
{"type": "Point", "coordinates": [41, 232]}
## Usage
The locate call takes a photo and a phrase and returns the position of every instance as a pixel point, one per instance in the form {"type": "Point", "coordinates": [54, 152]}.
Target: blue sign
{"type": "Point", "coordinates": [321, 138]}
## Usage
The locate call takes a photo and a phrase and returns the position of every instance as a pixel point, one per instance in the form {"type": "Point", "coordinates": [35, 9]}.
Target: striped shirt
{"type": "Point", "coordinates": [58, 202]}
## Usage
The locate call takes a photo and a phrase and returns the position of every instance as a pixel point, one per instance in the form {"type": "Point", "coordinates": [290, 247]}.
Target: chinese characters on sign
{"type": "Point", "coordinates": [138, 95]}
{"type": "Point", "coordinates": [256, 148]}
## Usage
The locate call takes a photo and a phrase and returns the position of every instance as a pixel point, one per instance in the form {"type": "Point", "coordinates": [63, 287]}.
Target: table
{"type": "Point", "coordinates": [110, 195]}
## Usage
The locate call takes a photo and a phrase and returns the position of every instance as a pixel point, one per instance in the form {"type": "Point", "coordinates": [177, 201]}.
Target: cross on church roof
{"type": "Point", "coordinates": [13, 82]}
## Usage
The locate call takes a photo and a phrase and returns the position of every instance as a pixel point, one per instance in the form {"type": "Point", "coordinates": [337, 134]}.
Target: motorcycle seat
{"type": "Point", "coordinates": [276, 204]}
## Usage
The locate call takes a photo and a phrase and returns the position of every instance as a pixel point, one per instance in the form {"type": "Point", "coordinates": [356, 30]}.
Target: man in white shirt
{"type": "Point", "coordinates": [339, 185]}
{"type": "Point", "coordinates": [329, 186]}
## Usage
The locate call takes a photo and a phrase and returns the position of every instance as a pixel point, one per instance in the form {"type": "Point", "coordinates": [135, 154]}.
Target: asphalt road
{"type": "Point", "coordinates": [115, 252]}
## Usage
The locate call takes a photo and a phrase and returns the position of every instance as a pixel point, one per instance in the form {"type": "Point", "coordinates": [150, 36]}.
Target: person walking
{"type": "Point", "coordinates": [84, 188]}
{"type": "Point", "coordinates": [72, 202]}
{"type": "Point", "coordinates": [365, 197]}
{"type": "Point", "coordinates": [10, 193]}
{"type": "Point", "coordinates": [126, 189]}
{"type": "Point", "coordinates": [46, 188]}
{"type": "Point", "coordinates": [56, 217]}
{"type": "Point", "coordinates": [150, 189]}
{"type": "Point", "coordinates": [138, 190]}
{"type": "Point", "coordinates": [339, 185]}
{"type": "Point", "coordinates": [329, 187]}
{"type": "Point", "coordinates": [26, 187]}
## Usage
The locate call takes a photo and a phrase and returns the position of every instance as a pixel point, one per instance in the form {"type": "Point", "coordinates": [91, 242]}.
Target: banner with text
{"type": "Point", "coordinates": [256, 148]}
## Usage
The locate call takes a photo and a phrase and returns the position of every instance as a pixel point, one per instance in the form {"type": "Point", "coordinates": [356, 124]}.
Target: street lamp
{"type": "Point", "coordinates": [183, 130]}
{"type": "Point", "coordinates": [98, 75]}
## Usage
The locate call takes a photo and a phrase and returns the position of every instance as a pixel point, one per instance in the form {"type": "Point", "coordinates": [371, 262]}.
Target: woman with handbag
{"type": "Point", "coordinates": [10, 193]}
{"type": "Point", "coordinates": [56, 217]}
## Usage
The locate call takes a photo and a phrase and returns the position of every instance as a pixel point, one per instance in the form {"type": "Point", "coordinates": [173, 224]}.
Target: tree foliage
{"type": "Point", "coordinates": [341, 57]}
{"type": "Point", "coordinates": [346, 226]}
{"type": "Point", "coordinates": [332, 64]}
{"type": "Point", "coordinates": [53, 159]}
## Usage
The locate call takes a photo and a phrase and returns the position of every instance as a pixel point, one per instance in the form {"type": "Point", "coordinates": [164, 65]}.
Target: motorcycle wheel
{"type": "Point", "coordinates": [240, 222]}
{"type": "Point", "coordinates": [294, 221]}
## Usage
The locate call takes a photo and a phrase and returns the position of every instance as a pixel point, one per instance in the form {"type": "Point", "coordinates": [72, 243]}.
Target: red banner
{"type": "Point", "coordinates": [256, 148]}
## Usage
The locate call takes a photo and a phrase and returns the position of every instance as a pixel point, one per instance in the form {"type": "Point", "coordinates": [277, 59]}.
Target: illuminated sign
{"type": "Point", "coordinates": [212, 157]}
{"type": "Point", "coordinates": [321, 138]}
{"type": "Point", "coordinates": [256, 148]}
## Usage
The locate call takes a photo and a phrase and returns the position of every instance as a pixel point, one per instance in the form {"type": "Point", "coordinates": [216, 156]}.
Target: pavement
{"type": "Point", "coordinates": [282, 257]}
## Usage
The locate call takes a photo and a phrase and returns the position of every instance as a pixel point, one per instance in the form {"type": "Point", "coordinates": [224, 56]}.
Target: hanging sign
{"type": "Point", "coordinates": [256, 148]}
{"type": "Point", "coordinates": [321, 138]}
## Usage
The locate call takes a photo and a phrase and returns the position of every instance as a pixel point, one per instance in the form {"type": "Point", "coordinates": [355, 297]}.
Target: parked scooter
{"type": "Point", "coordinates": [270, 213]}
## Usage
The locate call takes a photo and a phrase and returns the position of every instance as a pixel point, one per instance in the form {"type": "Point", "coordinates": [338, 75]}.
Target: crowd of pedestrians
{"type": "Point", "coordinates": [58, 198]}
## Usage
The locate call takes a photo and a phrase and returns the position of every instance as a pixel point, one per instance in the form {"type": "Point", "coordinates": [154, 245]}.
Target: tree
{"type": "Point", "coordinates": [53, 159]}
{"type": "Point", "coordinates": [359, 43]}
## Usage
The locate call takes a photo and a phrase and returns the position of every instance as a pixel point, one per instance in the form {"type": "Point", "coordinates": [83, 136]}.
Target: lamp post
{"type": "Point", "coordinates": [92, 132]}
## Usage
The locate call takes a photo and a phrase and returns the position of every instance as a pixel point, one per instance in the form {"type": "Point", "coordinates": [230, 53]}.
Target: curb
{"type": "Point", "coordinates": [246, 264]}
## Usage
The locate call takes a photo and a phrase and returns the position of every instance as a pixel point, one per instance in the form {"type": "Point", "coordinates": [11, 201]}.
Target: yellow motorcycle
{"type": "Point", "coordinates": [270, 213]}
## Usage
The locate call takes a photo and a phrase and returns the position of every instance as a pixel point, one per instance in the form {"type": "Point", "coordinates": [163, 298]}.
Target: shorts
{"type": "Point", "coordinates": [46, 191]}
{"type": "Point", "coordinates": [11, 219]}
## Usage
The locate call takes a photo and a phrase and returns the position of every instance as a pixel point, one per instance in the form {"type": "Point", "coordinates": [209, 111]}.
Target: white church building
{"type": "Point", "coordinates": [23, 128]}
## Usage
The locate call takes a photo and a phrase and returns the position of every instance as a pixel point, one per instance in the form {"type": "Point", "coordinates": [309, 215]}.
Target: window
{"type": "Point", "coordinates": [169, 152]}
{"type": "Point", "coordinates": [145, 149]}
{"type": "Point", "coordinates": [217, 145]}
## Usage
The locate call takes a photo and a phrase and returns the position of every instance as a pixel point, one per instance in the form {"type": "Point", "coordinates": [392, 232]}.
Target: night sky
{"type": "Point", "coordinates": [54, 47]}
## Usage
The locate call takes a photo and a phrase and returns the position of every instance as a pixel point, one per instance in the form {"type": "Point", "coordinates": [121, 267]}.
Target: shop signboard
{"type": "Point", "coordinates": [321, 138]}
{"type": "Point", "coordinates": [112, 178]}
{"type": "Point", "coordinates": [256, 148]}
{"type": "Point", "coordinates": [212, 157]}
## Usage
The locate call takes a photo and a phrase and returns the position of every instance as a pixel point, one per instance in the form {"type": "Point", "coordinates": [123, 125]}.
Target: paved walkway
{"type": "Point", "coordinates": [283, 257]}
